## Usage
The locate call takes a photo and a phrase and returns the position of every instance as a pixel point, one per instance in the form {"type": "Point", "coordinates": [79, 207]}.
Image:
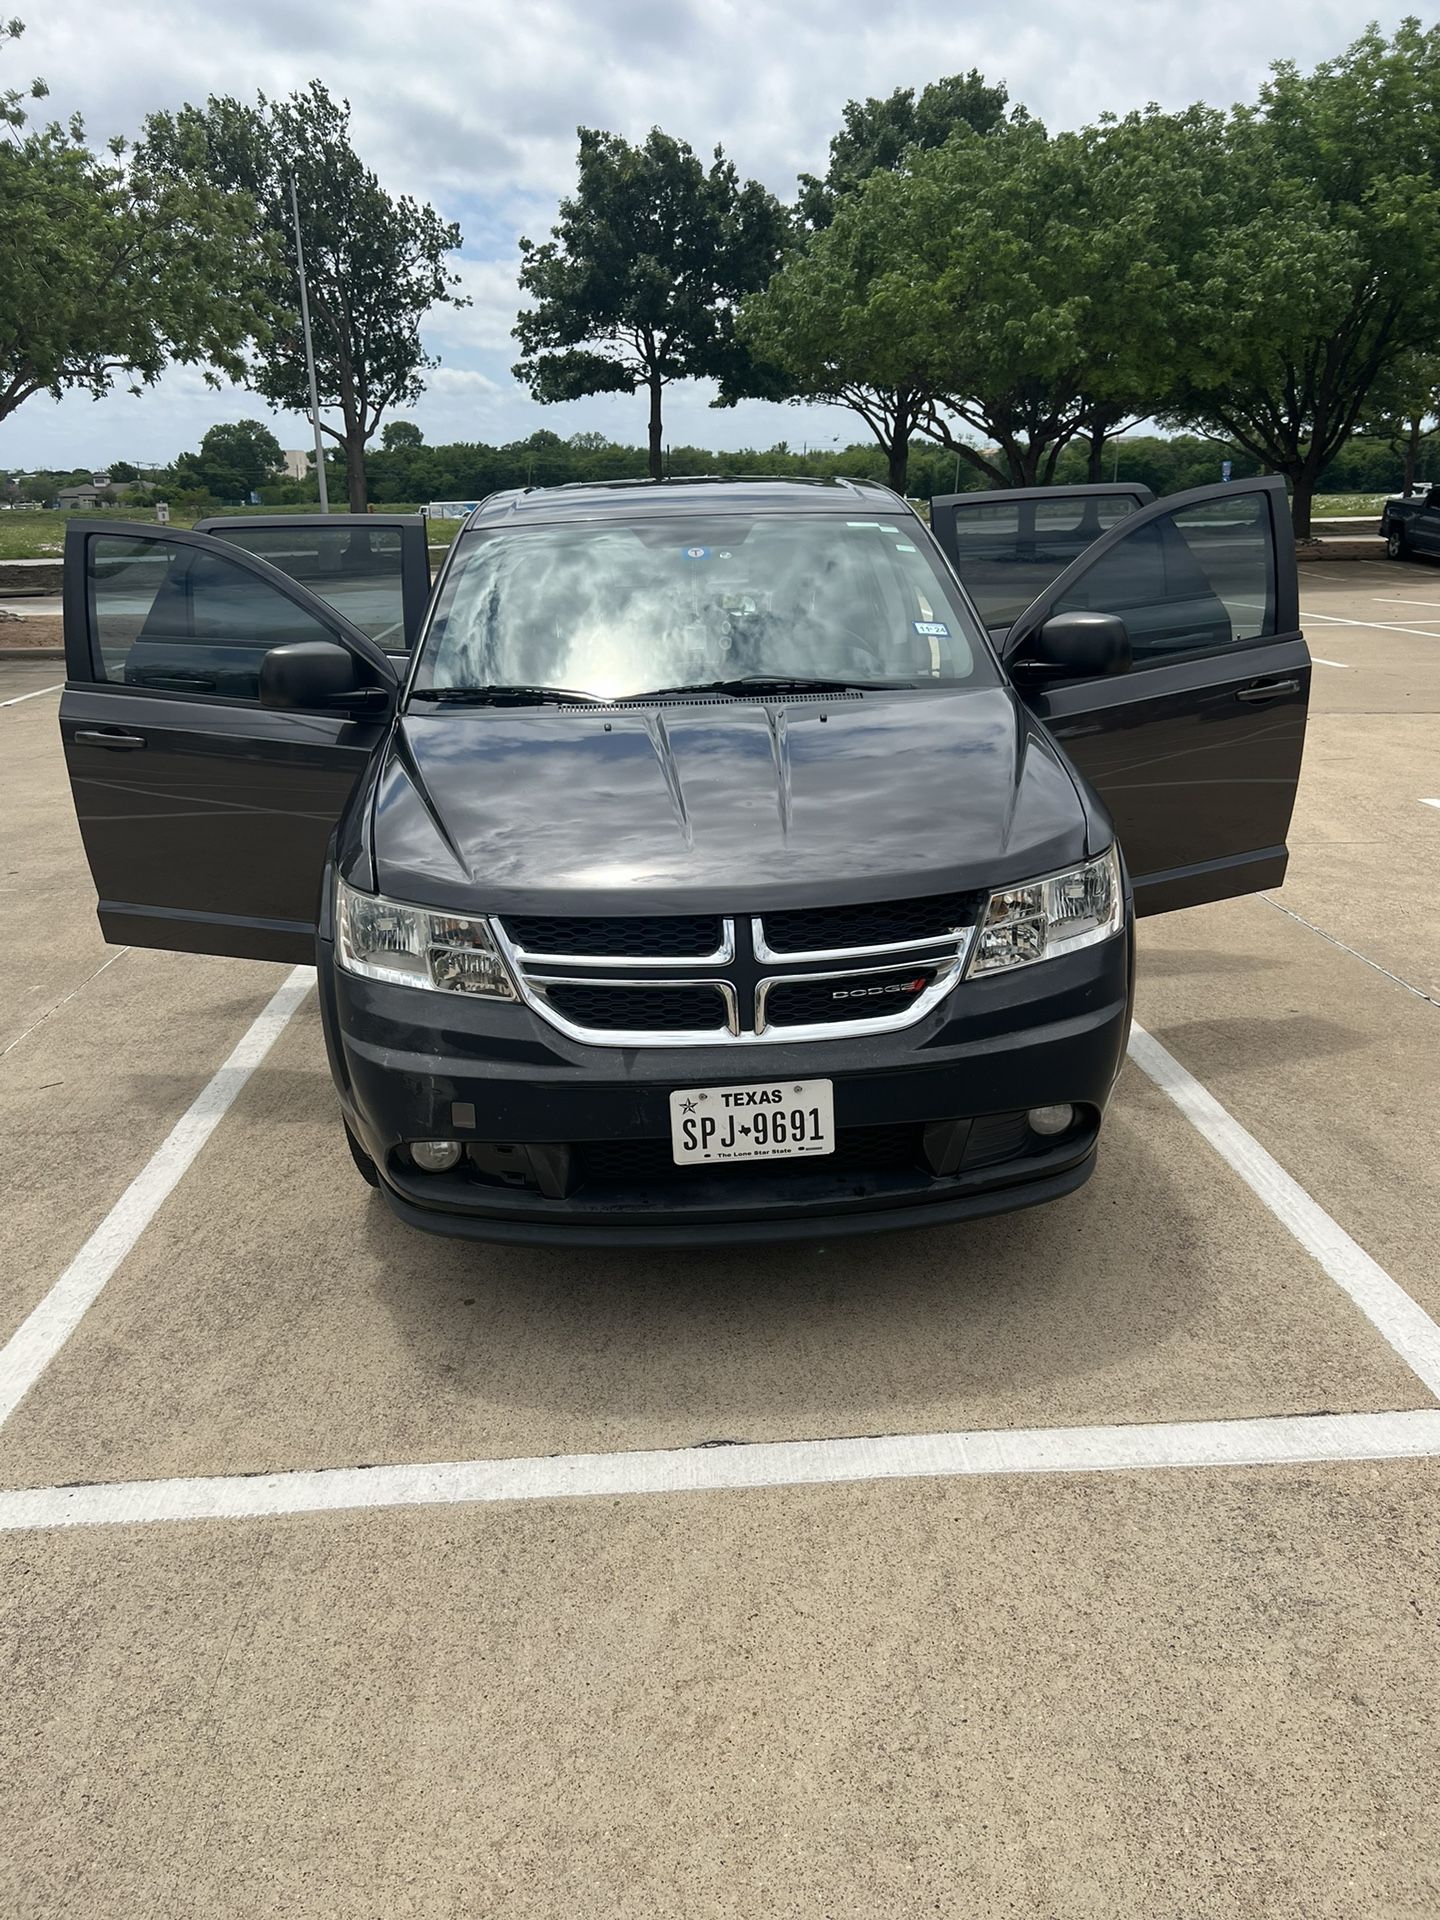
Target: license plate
{"type": "Point", "coordinates": [771, 1120]}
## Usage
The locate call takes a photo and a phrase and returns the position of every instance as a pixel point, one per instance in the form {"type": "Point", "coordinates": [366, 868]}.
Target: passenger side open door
{"type": "Point", "coordinates": [374, 568]}
{"type": "Point", "coordinates": [205, 809]}
{"type": "Point", "coordinates": [1192, 730]}
{"type": "Point", "coordinates": [1008, 546]}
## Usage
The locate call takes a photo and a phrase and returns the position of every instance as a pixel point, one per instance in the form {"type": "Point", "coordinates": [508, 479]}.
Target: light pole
{"type": "Point", "coordinates": [309, 354]}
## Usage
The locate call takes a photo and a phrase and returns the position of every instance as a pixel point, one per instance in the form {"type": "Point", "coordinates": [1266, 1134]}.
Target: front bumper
{"type": "Point", "coordinates": [404, 1061]}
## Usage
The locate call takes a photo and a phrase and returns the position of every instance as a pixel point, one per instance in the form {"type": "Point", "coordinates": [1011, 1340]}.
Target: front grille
{"type": "Point", "coordinates": [854, 996]}
{"type": "Point", "coordinates": [639, 1009]}
{"type": "Point", "coordinates": [858, 1150]}
{"type": "Point", "coordinates": [878, 924]}
{"type": "Point", "coordinates": [618, 936]}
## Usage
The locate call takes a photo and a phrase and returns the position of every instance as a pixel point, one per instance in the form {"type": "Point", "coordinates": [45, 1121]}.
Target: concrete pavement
{"type": "Point", "coordinates": [1179, 1692]}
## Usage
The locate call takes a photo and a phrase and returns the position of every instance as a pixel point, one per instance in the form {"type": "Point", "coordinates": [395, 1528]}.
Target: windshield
{"type": "Point", "coordinates": [618, 609]}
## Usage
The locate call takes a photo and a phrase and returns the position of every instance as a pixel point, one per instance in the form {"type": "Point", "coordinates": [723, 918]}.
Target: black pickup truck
{"type": "Point", "coordinates": [1411, 528]}
{"type": "Point", "coordinates": [700, 860]}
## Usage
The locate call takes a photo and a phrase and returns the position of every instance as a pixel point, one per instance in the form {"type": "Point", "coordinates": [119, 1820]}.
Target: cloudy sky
{"type": "Point", "coordinates": [473, 105]}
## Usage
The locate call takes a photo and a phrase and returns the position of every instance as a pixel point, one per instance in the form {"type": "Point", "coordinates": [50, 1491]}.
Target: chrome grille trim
{"type": "Point", "coordinates": [947, 953]}
{"type": "Point", "coordinates": [721, 957]}
{"type": "Point", "coordinates": [949, 968]}
{"type": "Point", "coordinates": [535, 987]}
{"type": "Point", "coordinates": [944, 943]}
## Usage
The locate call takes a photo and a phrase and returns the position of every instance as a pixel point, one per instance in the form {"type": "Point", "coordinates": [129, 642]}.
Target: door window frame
{"type": "Point", "coordinates": [414, 531]}
{"type": "Point", "coordinates": [80, 621]}
{"type": "Point", "coordinates": [1287, 588]}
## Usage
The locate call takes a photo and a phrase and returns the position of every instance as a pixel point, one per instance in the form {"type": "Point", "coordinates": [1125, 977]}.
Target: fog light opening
{"type": "Point", "coordinates": [1051, 1120]}
{"type": "Point", "coordinates": [435, 1156]}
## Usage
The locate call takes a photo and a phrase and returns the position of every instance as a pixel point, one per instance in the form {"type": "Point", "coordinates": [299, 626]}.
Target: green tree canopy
{"type": "Point", "coordinates": [375, 265]}
{"type": "Point", "coordinates": [638, 284]}
{"type": "Point", "coordinates": [1317, 271]}
{"type": "Point", "coordinates": [877, 134]}
{"type": "Point", "coordinates": [400, 433]}
{"type": "Point", "coordinates": [995, 294]}
{"type": "Point", "coordinates": [235, 458]}
{"type": "Point", "coordinates": [107, 269]}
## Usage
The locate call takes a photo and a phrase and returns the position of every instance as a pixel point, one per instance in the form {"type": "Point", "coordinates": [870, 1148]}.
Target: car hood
{"type": "Point", "coordinates": [720, 804]}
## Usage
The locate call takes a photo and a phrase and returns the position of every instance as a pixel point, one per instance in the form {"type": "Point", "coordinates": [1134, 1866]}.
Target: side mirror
{"type": "Point", "coordinates": [1086, 645]}
{"type": "Point", "coordinates": [316, 674]}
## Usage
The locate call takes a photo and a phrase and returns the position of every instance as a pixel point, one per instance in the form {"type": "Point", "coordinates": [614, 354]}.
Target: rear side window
{"type": "Point", "coordinates": [1007, 553]}
{"type": "Point", "coordinates": [176, 619]}
{"type": "Point", "coordinates": [1192, 581]}
{"type": "Point", "coordinates": [358, 570]}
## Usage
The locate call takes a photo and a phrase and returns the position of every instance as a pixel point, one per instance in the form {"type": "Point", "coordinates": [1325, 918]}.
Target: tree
{"type": "Point", "coordinates": [108, 270]}
{"type": "Point", "coordinates": [808, 331]}
{"type": "Point", "coordinates": [400, 433]}
{"type": "Point", "coordinates": [1320, 269]}
{"type": "Point", "coordinates": [1402, 408]}
{"type": "Point", "coordinates": [235, 459]}
{"type": "Point", "coordinates": [638, 284]}
{"type": "Point", "coordinates": [877, 135]}
{"type": "Point", "coordinates": [997, 294]}
{"type": "Point", "coordinates": [375, 266]}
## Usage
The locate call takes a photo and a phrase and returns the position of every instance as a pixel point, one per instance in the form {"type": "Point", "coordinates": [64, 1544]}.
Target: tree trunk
{"type": "Point", "coordinates": [657, 430]}
{"type": "Point", "coordinates": [1095, 464]}
{"type": "Point", "coordinates": [1302, 496]}
{"type": "Point", "coordinates": [355, 472]}
{"type": "Point", "coordinates": [899, 455]}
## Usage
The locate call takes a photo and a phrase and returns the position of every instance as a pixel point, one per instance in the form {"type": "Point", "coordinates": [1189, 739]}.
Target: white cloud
{"type": "Point", "coordinates": [477, 110]}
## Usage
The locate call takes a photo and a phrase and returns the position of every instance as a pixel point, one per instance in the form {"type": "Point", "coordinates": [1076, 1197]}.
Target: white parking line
{"type": "Point", "coordinates": [1389, 1309]}
{"type": "Point", "coordinates": [1399, 600]}
{"type": "Point", "coordinates": [1318, 662]}
{"type": "Point", "coordinates": [1430, 803]}
{"type": "Point", "coordinates": [32, 696]}
{"type": "Point", "coordinates": [40, 1337]}
{"type": "Point", "coordinates": [1289, 1440]}
{"type": "Point", "coordinates": [1419, 630]}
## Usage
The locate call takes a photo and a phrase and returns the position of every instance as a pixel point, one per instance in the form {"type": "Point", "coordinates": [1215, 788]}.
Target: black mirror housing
{"type": "Point", "coordinates": [314, 674]}
{"type": "Point", "coordinates": [1086, 645]}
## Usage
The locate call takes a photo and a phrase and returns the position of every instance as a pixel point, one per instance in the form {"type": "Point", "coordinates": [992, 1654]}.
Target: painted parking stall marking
{"type": "Point", "coordinates": [40, 1337]}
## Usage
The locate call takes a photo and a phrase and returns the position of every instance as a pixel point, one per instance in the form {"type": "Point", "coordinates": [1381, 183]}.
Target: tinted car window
{"type": "Point", "coordinates": [620, 608]}
{"type": "Point", "coordinates": [359, 570]}
{"type": "Point", "coordinates": [174, 617]}
{"type": "Point", "coordinates": [1191, 581]}
{"type": "Point", "coordinates": [1008, 552]}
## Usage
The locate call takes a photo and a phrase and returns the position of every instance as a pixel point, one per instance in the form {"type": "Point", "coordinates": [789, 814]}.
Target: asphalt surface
{"type": "Point", "coordinates": [1185, 1691]}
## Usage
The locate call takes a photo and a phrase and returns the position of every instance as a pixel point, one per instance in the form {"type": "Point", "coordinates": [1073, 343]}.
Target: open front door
{"type": "Point", "coordinates": [205, 815]}
{"type": "Point", "coordinates": [1195, 750]}
{"type": "Point", "coordinates": [1008, 546]}
{"type": "Point", "coordinates": [374, 568]}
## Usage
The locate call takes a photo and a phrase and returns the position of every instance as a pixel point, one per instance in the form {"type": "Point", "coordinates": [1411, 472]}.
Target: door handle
{"type": "Point", "coordinates": [119, 742]}
{"type": "Point", "coordinates": [1268, 690]}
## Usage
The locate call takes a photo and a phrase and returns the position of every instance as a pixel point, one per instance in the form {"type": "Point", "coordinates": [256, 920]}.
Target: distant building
{"type": "Point", "coordinates": [102, 492]}
{"type": "Point", "coordinates": [298, 462]}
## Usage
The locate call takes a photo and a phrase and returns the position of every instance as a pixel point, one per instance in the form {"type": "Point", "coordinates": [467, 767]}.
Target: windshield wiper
{"type": "Point", "coordinates": [508, 697]}
{"type": "Point", "coordinates": [763, 683]}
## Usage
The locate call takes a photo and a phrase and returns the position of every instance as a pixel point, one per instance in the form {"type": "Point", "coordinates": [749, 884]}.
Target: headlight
{"type": "Point", "coordinates": [417, 947]}
{"type": "Point", "coordinates": [1048, 917]}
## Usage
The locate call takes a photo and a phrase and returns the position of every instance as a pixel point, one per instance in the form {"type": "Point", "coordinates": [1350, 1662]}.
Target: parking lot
{"type": "Point", "coordinates": [1080, 1562]}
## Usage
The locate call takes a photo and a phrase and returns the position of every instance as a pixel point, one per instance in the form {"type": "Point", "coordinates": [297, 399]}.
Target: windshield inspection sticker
{"type": "Point", "coordinates": [936, 628]}
{"type": "Point", "coordinates": [697, 553]}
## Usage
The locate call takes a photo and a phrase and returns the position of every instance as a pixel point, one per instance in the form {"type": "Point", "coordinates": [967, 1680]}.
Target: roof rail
{"type": "Point", "coordinates": [710, 479]}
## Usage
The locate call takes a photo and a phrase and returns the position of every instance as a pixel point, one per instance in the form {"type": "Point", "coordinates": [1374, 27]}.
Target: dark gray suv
{"type": "Point", "coordinates": [704, 861]}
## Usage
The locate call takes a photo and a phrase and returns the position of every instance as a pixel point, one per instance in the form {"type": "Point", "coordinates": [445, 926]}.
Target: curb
{"type": "Point", "coordinates": [31, 653]}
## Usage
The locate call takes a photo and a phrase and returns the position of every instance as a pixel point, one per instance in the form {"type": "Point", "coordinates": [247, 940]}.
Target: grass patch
{"type": "Point", "coordinates": [41, 536]}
